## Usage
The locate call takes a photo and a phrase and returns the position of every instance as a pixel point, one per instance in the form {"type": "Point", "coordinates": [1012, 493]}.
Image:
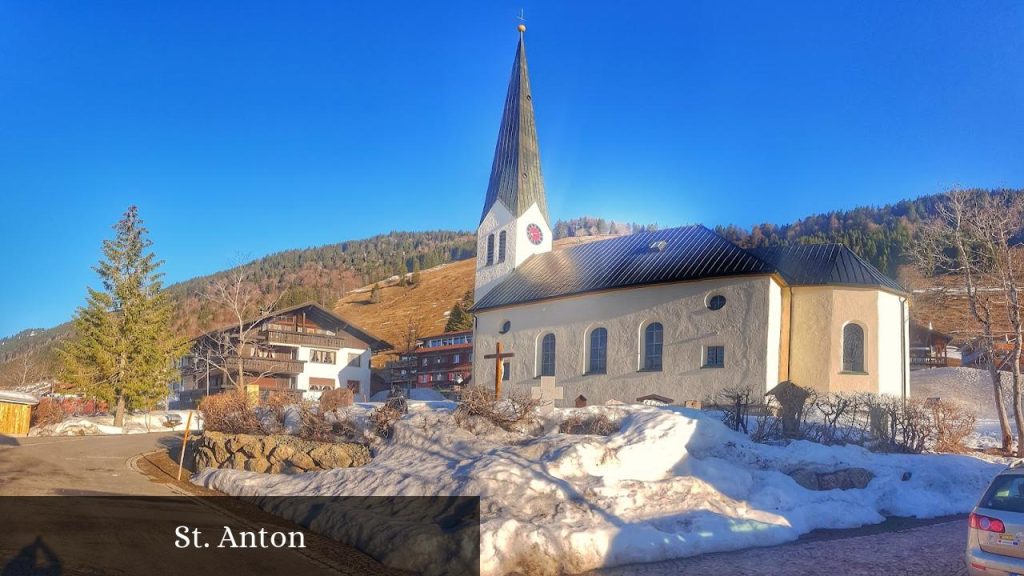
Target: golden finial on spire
{"type": "Point", "coordinates": [522, 28]}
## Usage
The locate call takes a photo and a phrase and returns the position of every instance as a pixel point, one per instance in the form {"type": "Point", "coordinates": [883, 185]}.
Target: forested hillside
{"type": "Point", "coordinates": [881, 235]}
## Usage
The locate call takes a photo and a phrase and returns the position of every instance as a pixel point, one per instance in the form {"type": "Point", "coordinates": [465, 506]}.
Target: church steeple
{"type": "Point", "coordinates": [514, 224]}
{"type": "Point", "coordinates": [516, 179]}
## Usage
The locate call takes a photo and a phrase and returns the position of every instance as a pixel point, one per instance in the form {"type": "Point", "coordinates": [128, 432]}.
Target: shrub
{"type": "Point", "coordinates": [383, 419]}
{"type": "Point", "coordinates": [232, 412]}
{"type": "Point", "coordinates": [313, 425]}
{"type": "Point", "coordinates": [954, 423]}
{"type": "Point", "coordinates": [596, 424]}
{"type": "Point", "coordinates": [509, 413]}
{"type": "Point", "coordinates": [48, 412]}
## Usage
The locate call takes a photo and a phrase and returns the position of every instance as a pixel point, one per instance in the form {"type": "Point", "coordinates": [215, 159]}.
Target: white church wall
{"type": "Point", "coordinates": [891, 338]}
{"type": "Point", "coordinates": [525, 248]}
{"type": "Point", "coordinates": [742, 326]}
{"type": "Point", "coordinates": [774, 351]}
{"type": "Point", "coordinates": [497, 219]}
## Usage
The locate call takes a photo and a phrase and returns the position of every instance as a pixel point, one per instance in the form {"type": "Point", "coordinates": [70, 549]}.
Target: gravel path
{"type": "Point", "coordinates": [935, 550]}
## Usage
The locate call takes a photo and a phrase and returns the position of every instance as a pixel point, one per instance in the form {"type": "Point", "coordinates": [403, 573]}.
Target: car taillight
{"type": "Point", "coordinates": [986, 523]}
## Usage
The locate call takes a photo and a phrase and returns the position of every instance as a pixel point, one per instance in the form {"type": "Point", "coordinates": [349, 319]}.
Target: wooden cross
{"type": "Point", "coordinates": [499, 371]}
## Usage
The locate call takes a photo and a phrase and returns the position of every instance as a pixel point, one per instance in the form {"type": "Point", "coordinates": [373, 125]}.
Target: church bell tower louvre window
{"type": "Point", "coordinates": [501, 246]}
{"type": "Point", "coordinates": [490, 249]}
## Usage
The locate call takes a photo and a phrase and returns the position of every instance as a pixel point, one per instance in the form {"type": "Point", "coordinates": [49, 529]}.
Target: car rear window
{"type": "Point", "coordinates": [1005, 493]}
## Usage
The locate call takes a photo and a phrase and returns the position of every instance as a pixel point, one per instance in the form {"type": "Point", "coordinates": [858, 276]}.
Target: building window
{"type": "Point", "coordinates": [716, 302]}
{"type": "Point", "coordinates": [547, 355]}
{"type": "Point", "coordinates": [714, 357]}
{"type": "Point", "coordinates": [654, 335]}
{"type": "Point", "coordinates": [322, 356]}
{"type": "Point", "coordinates": [598, 351]}
{"type": "Point", "coordinates": [501, 246]}
{"type": "Point", "coordinates": [506, 371]}
{"type": "Point", "coordinates": [490, 249]}
{"type": "Point", "coordinates": [426, 361]}
{"type": "Point", "coordinates": [355, 360]}
{"type": "Point", "coordinates": [853, 348]}
{"type": "Point", "coordinates": [455, 358]}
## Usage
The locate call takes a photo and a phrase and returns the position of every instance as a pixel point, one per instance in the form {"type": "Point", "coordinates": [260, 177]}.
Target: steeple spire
{"type": "Point", "coordinates": [516, 179]}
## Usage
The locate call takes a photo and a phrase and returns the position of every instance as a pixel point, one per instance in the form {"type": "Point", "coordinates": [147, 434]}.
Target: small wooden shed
{"type": "Point", "coordinates": [16, 411]}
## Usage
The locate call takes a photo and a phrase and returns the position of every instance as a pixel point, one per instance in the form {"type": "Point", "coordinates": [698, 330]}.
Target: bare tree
{"type": "Point", "coordinates": [971, 237]}
{"type": "Point", "coordinates": [25, 370]}
{"type": "Point", "coordinates": [226, 350]}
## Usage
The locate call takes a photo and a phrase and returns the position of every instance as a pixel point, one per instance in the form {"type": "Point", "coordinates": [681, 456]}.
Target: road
{"type": "Point", "coordinates": [78, 465]}
{"type": "Point", "coordinates": [129, 524]}
{"type": "Point", "coordinates": [931, 550]}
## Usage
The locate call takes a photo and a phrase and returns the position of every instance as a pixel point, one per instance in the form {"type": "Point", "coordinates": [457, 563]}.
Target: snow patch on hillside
{"type": "Point", "coordinates": [671, 483]}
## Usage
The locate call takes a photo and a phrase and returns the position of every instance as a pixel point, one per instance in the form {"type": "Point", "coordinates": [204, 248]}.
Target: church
{"type": "Point", "coordinates": [676, 314]}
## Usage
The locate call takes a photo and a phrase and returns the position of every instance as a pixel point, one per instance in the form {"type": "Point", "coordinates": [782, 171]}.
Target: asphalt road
{"type": "Point", "coordinates": [928, 550]}
{"type": "Point", "coordinates": [129, 524]}
{"type": "Point", "coordinates": [78, 465]}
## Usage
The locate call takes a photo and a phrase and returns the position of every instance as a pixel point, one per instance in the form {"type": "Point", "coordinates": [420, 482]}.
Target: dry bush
{"type": "Point", "coordinates": [953, 423]}
{"type": "Point", "coordinates": [313, 425]}
{"type": "Point", "coordinates": [509, 414]}
{"type": "Point", "coordinates": [48, 412]}
{"type": "Point", "coordinates": [383, 420]}
{"type": "Point", "coordinates": [232, 412]}
{"type": "Point", "coordinates": [735, 404]}
{"type": "Point", "coordinates": [331, 400]}
{"type": "Point", "coordinates": [596, 424]}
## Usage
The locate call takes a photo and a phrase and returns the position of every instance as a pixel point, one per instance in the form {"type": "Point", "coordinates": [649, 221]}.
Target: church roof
{"type": "Point", "coordinates": [824, 264]}
{"type": "Point", "coordinates": [671, 255]}
{"type": "Point", "coordinates": [516, 179]}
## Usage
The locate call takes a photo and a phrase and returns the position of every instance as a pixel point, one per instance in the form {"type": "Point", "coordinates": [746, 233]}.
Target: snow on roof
{"type": "Point", "coordinates": [12, 397]}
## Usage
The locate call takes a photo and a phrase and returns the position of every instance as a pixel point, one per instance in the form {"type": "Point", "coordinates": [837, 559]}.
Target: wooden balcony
{"type": "Point", "coordinates": [302, 339]}
{"type": "Point", "coordinates": [271, 365]}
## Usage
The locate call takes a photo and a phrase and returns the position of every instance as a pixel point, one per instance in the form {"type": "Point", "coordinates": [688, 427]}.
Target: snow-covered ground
{"type": "Point", "coordinates": [973, 387]}
{"type": "Point", "coordinates": [133, 424]}
{"type": "Point", "coordinates": [670, 483]}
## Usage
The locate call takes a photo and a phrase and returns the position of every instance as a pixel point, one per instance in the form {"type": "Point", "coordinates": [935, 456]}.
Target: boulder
{"type": "Point", "coordinates": [281, 453]}
{"type": "Point", "coordinates": [845, 479]}
{"type": "Point", "coordinates": [237, 461]}
{"type": "Point", "coordinates": [302, 461]}
{"type": "Point", "coordinates": [242, 443]}
{"type": "Point", "coordinates": [345, 455]}
{"type": "Point", "coordinates": [257, 465]}
{"type": "Point", "coordinates": [204, 459]}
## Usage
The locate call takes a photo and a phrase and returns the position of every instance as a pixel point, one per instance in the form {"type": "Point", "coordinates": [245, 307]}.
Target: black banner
{"type": "Point", "coordinates": [196, 536]}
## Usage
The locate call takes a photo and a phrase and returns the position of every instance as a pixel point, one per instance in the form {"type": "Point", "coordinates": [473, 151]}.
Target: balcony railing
{"type": "Point", "coordinates": [302, 339]}
{"type": "Point", "coordinates": [270, 365]}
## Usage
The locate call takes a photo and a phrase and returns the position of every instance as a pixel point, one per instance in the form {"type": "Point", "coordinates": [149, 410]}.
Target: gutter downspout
{"type": "Point", "coordinates": [903, 350]}
{"type": "Point", "coordinates": [789, 338]}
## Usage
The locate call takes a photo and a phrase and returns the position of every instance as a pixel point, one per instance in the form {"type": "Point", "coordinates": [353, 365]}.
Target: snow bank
{"type": "Point", "coordinates": [420, 394]}
{"type": "Point", "coordinates": [973, 387]}
{"type": "Point", "coordinates": [104, 424]}
{"type": "Point", "coordinates": [671, 483]}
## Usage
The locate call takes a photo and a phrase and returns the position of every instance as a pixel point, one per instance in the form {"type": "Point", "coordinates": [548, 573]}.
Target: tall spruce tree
{"type": "Point", "coordinates": [459, 318]}
{"type": "Point", "coordinates": [124, 349]}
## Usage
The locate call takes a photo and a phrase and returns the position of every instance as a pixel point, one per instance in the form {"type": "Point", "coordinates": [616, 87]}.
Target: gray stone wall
{"type": "Point", "coordinates": [274, 454]}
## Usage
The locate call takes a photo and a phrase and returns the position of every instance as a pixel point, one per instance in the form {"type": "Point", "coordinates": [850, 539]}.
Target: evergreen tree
{"type": "Point", "coordinates": [123, 350]}
{"type": "Point", "coordinates": [416, 271]}
{"type": "Point", "coordinates": [459, 318]}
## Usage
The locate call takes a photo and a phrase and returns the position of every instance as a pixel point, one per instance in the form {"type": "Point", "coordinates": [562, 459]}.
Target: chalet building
{"type": "Point", "coordinates": [444, 360]}
{"type": "Point", "coordinates": [305, 349]}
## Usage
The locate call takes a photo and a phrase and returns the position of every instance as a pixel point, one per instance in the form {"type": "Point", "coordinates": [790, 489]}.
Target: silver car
{"type": "Point", "coordinates": [995, 537]}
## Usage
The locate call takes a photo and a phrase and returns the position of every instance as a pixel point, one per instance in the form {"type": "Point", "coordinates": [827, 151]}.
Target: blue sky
{"type": "Point", "coordinates": [244, 128]}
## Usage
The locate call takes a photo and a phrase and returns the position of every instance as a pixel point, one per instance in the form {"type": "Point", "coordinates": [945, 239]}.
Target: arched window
{"type": "Point", "coordinates": [547, 355]}
{"type": "Point", "coordinates": [490, 249]}
{"type": "Point", "coordinates": [654, 335]}
{"type": "Point", "coordinates": [501, 246]}
{"type": "Point", "coordinates": [853, 348]}
{"type": "Point", "coordinates": [598, 351]}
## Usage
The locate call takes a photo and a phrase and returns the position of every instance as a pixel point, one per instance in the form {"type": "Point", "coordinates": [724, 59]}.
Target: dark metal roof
{"type": "Point", "coordinates": [672, 255]}
{"type": "Point", "coordinates": [824, 264]}
{"type": "Point", "coordinates": [516, 179]}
